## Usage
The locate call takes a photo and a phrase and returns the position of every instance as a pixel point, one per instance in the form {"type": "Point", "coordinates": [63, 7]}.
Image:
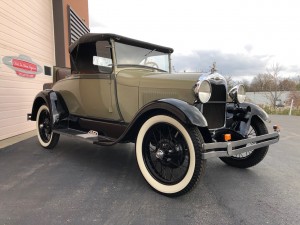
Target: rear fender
{"type": "Point", "coordinates": [56, 104]}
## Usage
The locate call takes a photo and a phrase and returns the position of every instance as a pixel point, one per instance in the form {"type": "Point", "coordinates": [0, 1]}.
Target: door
{"type": "Point", "coordinates": [90, 91]}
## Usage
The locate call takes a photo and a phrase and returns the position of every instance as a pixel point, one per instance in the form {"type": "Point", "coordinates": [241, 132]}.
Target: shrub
{"type": "Point", "coordinates": [282, 110]}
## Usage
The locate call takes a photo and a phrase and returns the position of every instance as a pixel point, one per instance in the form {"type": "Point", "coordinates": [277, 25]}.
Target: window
{"type": "Point", "coordinates": [103, 59]}
{"type": "Point", "coordinates": [138, 56]}
{"type": "Point", "coordinates": [91, 58]}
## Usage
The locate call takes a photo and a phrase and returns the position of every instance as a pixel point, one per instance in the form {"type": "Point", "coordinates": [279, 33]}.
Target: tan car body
{"type": "Point", "coordinates": [122, 90]}
{"type": "Point", "coordinates": [120, 96]}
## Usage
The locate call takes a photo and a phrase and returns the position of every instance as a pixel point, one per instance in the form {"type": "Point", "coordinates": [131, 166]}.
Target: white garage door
{"type": "Point", "coordinates": [26, 53]}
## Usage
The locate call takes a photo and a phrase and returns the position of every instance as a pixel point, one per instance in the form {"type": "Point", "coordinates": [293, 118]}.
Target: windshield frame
{"type": "Point", "coordinates": [116, 65]}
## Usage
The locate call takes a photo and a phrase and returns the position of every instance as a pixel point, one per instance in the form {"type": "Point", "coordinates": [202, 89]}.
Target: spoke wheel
{"type": "Point", "coordinates": [253, 131]}
{"type": "Point", "coordinates": [44, 126]}
{"type": "Point", "coordinates": [166, 153]}
{"type": "Point", "coordinates": [46, 137]}
{"type": "Point", "coordinates": [169, 155]}
{"type": "Point", "coordinates": [253, 157]}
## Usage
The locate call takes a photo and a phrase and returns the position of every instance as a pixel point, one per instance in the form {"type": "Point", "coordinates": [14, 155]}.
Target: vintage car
{"type": "Point", "coordinates": [121, 90]}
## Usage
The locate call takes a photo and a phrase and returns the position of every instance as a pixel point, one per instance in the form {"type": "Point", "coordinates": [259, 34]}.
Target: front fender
{"type": "Point", "coordinates": [254, 110]}
{"type": "Point", "coordinates": [239, 117]}
{"type": "Point", "coordinates": [183, 111]}
{"type": "Point", "coordinates": [257, 111]}
{"type": "Point", "coordinates": [187, 113]}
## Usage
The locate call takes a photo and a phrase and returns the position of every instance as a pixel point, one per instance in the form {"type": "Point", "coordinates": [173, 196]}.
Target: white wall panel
{"type": "Point", "coordinates": [26, 28]}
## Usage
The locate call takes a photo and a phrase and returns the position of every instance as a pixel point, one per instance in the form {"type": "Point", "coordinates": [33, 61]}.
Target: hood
{"type": "Point", "coordinates": [167, 80]}
{"type": "Point", "coordinates": [153, 86]}
{"type": "Point", "coordinates": [165, 85]}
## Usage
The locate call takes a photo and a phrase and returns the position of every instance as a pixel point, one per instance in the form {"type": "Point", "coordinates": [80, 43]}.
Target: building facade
{"type": "Point", "coordinates": [34, 37]}
{"type": "Point", "coordinates": [264, 98]}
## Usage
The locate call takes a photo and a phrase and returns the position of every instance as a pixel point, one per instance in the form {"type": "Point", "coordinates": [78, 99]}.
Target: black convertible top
{"type": "Point", "coordinates": [93, 37]}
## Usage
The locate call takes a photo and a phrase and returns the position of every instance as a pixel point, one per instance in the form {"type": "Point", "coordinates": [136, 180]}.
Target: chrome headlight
{"type": "Point", "coordinates": [203, 90]}
{"type": "Point", "coordinates": [238, 93]}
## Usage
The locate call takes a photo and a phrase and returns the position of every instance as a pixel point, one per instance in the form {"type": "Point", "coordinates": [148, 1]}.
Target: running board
{"type": "Point", "coordinates": [91, 136]}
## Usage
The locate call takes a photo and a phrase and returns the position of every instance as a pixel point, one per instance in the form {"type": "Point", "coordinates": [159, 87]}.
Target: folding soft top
{"type": "Point", "coordinates": [94, 37]}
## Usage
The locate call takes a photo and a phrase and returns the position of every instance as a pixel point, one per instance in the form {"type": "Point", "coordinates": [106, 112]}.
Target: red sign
{"type": "Point", "coordinates": [23, 66]}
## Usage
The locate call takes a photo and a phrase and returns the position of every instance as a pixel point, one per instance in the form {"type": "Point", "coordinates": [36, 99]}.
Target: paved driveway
{"type": "Point", "coordinates": [79, 183]}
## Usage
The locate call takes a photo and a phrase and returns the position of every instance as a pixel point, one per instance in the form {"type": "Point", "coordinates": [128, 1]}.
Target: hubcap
{"type": "Point", "coordinates": [160, 154]}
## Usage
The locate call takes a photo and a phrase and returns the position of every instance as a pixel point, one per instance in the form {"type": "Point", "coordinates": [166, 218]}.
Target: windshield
{"type": "Point", "coordinates": [136, 56]}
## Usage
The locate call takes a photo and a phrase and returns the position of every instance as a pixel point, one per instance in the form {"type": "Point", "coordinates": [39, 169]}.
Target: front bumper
{"type": "Point", "coordinates": [232, 148]}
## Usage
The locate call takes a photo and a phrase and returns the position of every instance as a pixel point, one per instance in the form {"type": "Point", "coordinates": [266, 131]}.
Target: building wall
{"type": "Point", "coordinates": [26, 46]}
{"type": "Point", "coordinates": [81, 9]}
{"type": "Point", "coordinates": [263, 98]}
{"type": "Point", "coordinates": [33, 38]}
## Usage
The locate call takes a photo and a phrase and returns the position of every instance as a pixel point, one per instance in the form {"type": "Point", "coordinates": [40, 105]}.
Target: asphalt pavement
{"type": "Point", "coordinates": [80, 183]}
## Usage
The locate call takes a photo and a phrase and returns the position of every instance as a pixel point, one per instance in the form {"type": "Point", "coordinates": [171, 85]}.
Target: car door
{"type": "Point", "coordinates": [90, 91]}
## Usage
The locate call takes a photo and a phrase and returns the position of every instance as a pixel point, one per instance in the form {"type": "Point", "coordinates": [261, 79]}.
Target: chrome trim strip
{"type": "Point", "coordinates": [267, 139]}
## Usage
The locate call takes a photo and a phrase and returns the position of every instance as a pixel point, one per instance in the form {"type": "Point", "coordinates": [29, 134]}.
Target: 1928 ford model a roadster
{"type": "Point", "coordinates": [122, 90]}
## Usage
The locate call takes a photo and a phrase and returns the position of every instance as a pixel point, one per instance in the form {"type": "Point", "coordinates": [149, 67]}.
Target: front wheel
{"type": "Point", "coordinates": [46, 137]}
{"type": "Point", "coordinates": [169, 155]}
{"type": "Point", "coordinates": [253, 157]}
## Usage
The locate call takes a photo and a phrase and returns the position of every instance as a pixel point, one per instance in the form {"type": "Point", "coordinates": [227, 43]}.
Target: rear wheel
{"type": "Point", "coordinates": [253, 157]}
{"type": "Point", "coordinates": [169, 155]}
{"type": "Point", "coordinates": [46, 137]}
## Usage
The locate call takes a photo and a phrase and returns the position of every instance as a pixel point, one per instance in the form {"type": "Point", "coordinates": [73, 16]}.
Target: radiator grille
{"type": "Point", "coordinates": [214, 111]}
{"type": "Point", "coordinates": [218, 92]}
{"type": "Point", "coordinates": [214, 114]}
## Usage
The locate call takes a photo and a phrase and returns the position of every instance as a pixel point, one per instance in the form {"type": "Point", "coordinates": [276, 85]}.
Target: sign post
{"type": "Point", "coordinates": [290, 113]}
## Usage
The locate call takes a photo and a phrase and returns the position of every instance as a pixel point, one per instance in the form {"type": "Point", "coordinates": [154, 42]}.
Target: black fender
{"type": "Point", "coordinates": [186, 113]}
{"type": "Point", "coordinates": [243, 114]}
{"type": "Point", "coordinates": [257, 111]}
{"type": "Point", "coordinates": [56, 104]}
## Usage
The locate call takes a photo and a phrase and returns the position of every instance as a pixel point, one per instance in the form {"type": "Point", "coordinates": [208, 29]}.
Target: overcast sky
{"type": "Point", "coordinates": [243, 37]}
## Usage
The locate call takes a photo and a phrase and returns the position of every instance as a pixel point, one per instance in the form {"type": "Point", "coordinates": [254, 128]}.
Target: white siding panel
{"type": "Point", "coordinates": [14, 129]}
{"type": "Point", "coordinates": [26, 28]}
{"type": "Point", "coordinates": [12, 106]}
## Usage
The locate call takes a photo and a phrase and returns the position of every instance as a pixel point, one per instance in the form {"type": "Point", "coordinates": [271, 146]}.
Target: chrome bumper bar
{"type": "Point", "coordinates": [231, 148]}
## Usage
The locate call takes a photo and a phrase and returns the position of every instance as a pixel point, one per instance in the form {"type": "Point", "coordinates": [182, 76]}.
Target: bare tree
{"type": "Point", "coordinates": [296, 97]}
{"type": "Point", "coordinates": [273, 91]}
{"type": "Point", "coordinates": [246, 83]}
{"type": "Point", "coordinates": [298, 84]}
{"type": "Point", "coordinates": [230, 82]}
{"type": "Point", "coordinates": [287, 84]}
{"type": "Point", "coordinates": [262, 82]}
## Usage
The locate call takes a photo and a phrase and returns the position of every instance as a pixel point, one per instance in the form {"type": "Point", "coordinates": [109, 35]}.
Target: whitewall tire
{"type": "Point", "coordinates": [169, 155]}
{"type": "Point", "coordinates": [46, 137]}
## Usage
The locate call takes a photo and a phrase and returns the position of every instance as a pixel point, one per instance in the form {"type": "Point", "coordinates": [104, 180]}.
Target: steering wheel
{"type": "Point", "coordinates": [152, 64]}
